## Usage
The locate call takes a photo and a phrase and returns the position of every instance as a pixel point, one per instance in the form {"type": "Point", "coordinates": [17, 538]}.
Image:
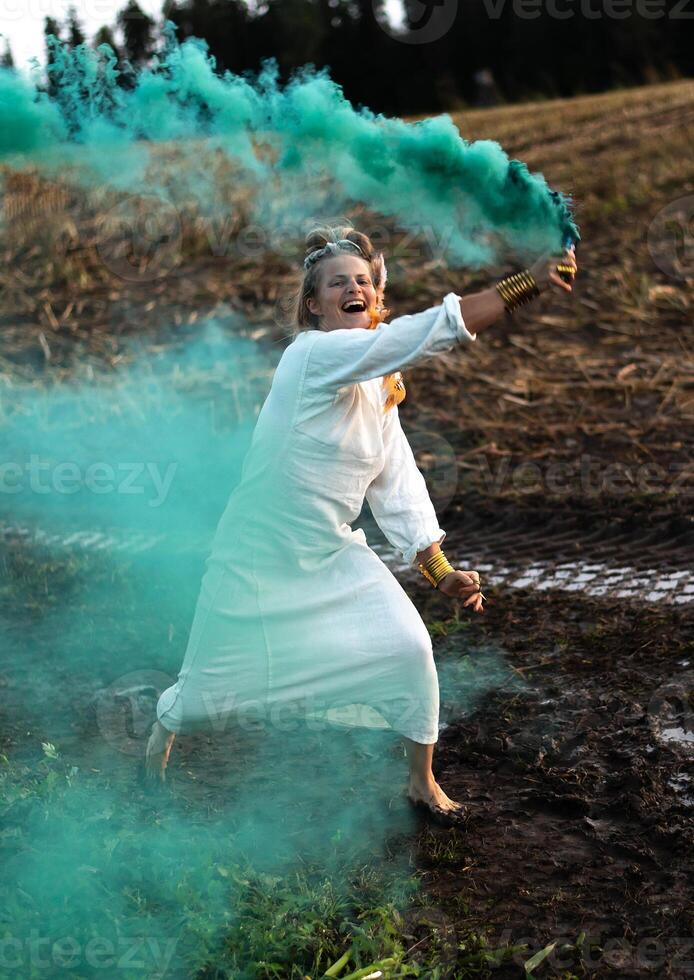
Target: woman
{"type": "Point", "coordinates": [295, 609]}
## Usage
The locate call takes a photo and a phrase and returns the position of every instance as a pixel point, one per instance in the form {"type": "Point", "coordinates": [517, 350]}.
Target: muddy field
{"type": "Point", "coordinates": [580, 785]}
{"type": "Point", "coordinates": [578, 775]}
{"type": "Point", "coordinates": [558, 454]}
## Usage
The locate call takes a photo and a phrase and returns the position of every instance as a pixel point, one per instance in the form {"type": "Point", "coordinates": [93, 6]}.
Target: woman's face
{"type": "Point", "coordinates": [344, 284]}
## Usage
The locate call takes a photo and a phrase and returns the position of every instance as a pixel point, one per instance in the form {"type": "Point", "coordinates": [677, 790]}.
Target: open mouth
{"type": "Point", "coordinates": [354, 306]}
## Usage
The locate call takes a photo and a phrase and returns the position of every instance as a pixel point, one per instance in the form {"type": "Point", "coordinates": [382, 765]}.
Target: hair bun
{"type": "Point", "coordinates": [320, 236]}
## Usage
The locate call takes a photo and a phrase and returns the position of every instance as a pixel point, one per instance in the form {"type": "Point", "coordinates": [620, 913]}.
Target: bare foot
{"type": "Point", "coordinates": [158, 751]}
{"type": "Point", "coordinates": [432, 794]}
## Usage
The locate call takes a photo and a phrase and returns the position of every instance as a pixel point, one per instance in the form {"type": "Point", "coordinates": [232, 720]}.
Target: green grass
{"type": "Point", "coordinates": [448, 627]}
{"type": "Point", "coordinates": [235, 920]}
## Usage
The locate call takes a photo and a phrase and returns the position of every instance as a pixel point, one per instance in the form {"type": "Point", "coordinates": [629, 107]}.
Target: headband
{"type": "Point", "coordinates": [333, 247]}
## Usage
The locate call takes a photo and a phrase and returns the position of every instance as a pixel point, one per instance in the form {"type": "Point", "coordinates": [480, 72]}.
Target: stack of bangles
{"type": "Point", "coordinates": [521, 287]}
{"type": "Point", "coordinates": [517, 289]}
{"type": "Point", "coordinates": [436, 567]}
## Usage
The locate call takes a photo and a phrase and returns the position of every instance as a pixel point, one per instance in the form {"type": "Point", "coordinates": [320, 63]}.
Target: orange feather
{"type": "Point", "coordinates": [393, 384]}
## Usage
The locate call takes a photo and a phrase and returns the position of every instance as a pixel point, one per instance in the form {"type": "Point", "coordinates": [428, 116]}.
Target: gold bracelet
{"type": "Point", "coordinates": [566, 272]}
{"type": "Point", "coordinates": [435, 568]}
{"type": "Point", "coordinates": [517, 289]}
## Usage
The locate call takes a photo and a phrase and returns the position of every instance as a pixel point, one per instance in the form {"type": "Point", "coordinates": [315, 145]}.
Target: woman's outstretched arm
{"type": "Point", "coordinates": [480, 310]}
{"type": "Point", "coordinates": [336, 358]}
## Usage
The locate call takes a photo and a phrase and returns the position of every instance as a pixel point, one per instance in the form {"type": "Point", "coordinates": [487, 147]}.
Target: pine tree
{"type": "Point", "coordinates": [7, 61]}
{"type": "Point", "coordinates": [50, 27]}
{"type": "Point", "coordinates": [138, 34]}
{"type": "Point", "coordinates": [75, 34]}
{"type": "Point", "coordinates": [105, 36]}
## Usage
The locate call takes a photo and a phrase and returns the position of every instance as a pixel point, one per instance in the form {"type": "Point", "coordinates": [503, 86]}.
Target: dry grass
{"type": "Point", "coordinates": [607, 371]}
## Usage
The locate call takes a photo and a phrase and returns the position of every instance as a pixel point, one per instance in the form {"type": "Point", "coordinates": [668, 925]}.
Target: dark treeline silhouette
{"type": "Point", "coordinates": [493, 51]}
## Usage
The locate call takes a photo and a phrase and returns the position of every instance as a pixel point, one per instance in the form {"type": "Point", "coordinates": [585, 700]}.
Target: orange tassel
{"type": "Point", "coordinates": [393, 384]}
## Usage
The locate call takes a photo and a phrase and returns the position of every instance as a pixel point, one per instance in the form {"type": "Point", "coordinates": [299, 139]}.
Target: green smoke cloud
{"type": "Point", "coordinates": [97, 879]}
{"type": "Point", "coordinates": [114, 488]}
{"type": "Point", "coordinates": [296, 148]}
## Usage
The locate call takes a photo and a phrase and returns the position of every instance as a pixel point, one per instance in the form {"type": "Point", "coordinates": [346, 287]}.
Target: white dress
{"type": "Point", "coordinates": [297, 617]}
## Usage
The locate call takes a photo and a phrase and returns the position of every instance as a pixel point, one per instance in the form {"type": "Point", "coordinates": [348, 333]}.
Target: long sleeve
{"type": "Point", "coordinates": [398, 497]}
{"type": "Point", "coordinates": [351, 355]}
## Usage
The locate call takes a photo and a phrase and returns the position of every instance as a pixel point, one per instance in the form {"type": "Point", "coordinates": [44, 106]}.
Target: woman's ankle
{"type": "Point", "coordinates": [422, 784]}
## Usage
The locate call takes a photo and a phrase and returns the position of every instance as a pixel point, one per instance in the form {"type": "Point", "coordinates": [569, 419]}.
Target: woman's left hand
{"type": "Point", "coordinates": [457, 585]}
{"type": "Point", "coordinates": [545, 274]}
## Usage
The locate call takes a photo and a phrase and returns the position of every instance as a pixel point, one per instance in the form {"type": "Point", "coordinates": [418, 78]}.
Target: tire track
{"type": "Point", "coordinates": [618, 564]}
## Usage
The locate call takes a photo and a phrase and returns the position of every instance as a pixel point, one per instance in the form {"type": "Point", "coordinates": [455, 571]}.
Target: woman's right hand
{"type": "Point", "coordinates": [545, 274]}
{"type": "Point", "coordinates": [463, 585]}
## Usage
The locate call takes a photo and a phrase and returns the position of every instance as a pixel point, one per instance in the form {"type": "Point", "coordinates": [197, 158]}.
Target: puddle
{"type": "Point", "coordinates": [683, 784]}
{"type": "Point", "coordinates": [677, 735]}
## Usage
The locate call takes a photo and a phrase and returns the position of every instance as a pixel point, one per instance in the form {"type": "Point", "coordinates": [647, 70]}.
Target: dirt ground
{"type": "Point", "coordinates": [580, 781]}
{"type": "Point", "coordinates": [581, 808]}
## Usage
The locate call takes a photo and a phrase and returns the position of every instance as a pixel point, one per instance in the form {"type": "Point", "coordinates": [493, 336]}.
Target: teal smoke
{"type": "Point", "coordinates": [296, 146]}
{"type": "Point", "coordinates": [83, 856]}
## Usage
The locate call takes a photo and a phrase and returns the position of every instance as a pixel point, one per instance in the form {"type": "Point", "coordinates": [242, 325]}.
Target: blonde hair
{"type": "Point", "coordinates": [339, 238]}
{"type": "Point", "coordinates": [318, 238]}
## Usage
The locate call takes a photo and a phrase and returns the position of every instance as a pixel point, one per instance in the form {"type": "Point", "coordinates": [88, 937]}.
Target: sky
{"type": "Point", "coordinates": [21, 21]}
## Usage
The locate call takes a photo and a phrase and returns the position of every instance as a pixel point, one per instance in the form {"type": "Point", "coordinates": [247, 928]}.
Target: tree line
{"type": "Point", "coordinates": [492, 50]}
